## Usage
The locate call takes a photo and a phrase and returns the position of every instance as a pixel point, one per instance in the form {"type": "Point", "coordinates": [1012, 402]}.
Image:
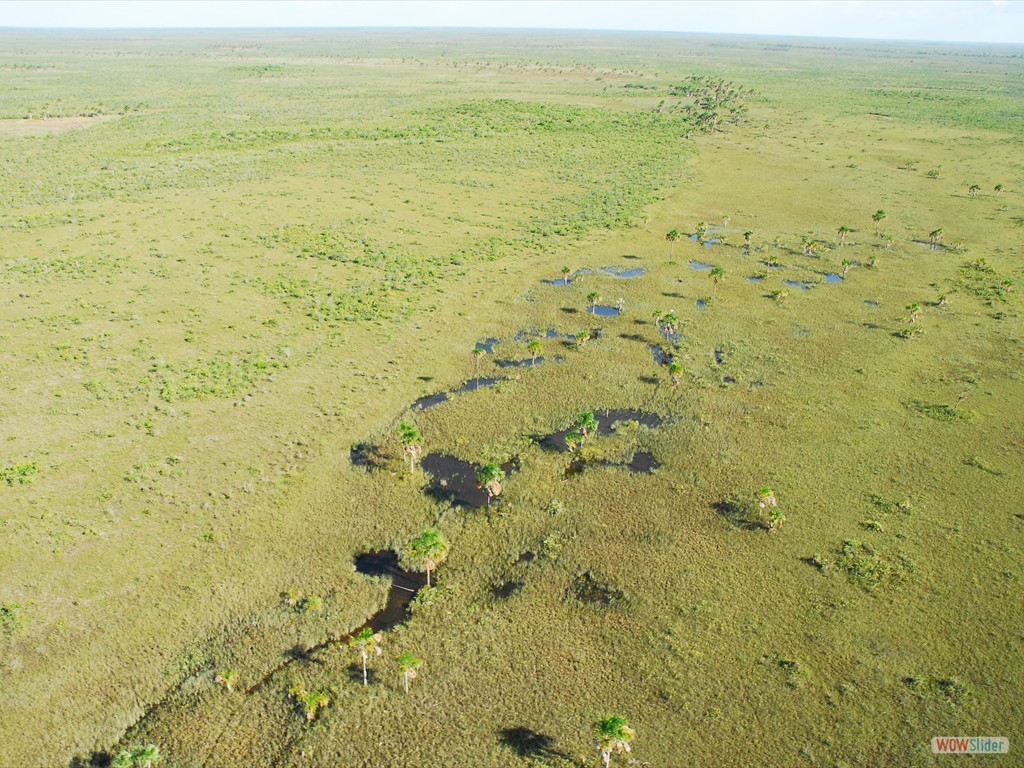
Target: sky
{"type": "Point", "coordinates": [939, 20]}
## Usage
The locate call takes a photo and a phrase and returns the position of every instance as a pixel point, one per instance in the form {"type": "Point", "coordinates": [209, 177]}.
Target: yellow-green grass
{"type": "Point", "coordinates": [151, 550]}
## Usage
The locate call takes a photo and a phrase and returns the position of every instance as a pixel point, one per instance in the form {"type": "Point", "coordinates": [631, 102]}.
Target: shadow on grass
{"type": "Point", "coordinates": [354, 672]}
{"type": "Point", "coordinates": [94, 760]}
{"type": "Point", "coordinates": [739, 515]}
{"type": "Point", "coordinates": [527, 743]}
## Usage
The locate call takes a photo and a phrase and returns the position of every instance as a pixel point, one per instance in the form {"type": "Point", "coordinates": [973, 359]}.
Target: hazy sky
{"type": "Point", "coordinates": [961, 20]}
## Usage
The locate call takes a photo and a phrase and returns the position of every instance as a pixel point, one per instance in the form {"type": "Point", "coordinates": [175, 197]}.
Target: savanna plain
{"type": "Point", "coordinates": [726, 330]}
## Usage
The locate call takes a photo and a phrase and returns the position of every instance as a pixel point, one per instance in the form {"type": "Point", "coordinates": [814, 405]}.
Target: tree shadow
{"type": "Point", "coordinates": [367, 456]}
{"type": "Point", "coordinates": [94, 760]}
{"type": "Point", "coordinates": [739, 514]}
{"type": "Point", "coordinates": [649, 379]}
{"type": "Point", "coordinates": [633, 337]}
{"type": "Point", "coordinates": [570, 310]}
{"type": "Point", "coordinates": [527, 743]}
{"type": "Point", "coordinates": [354, 671]}
{"type": "Point", "coordinates": [302, 655]}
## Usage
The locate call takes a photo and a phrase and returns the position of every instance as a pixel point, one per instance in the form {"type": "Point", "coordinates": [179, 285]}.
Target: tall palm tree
{"type": "Point", "coordinates": [717, 274]}
{"type": "Point", "coordinates": [366, 641]}
{"type": "Point", "coordinates": [477, 354]}
{"type": "Point", "coordinates": [672, 236]}
{"type": "Point", "coordinates": [998, 188]}
{"type": "Point", "coordinates": [843, 232]}
{"type": "Point", "coordinates": [613, 736]}
{"type": "Point", "coordinates": [877, 217]}
{"type": "Point", "coordinates": [593, 297]}
{"type": "Point", "coordinates": [565, 275]}
{"type": "Point", "coordinates": [411, 443]}
{"type": "Point", "coordinates": [407, 665]}
{"type": "Point", "coordinates": [847, 264]}
{"type": "Point", "coordinates": [426, 551]}
{"type": "Point", "coordinates": [973, 190]}
{"type": "Point", "coordinates": [533, 346]}
{"type": "Point", "coordinates": [140, 756]}
{"type": "Point", "coordinates": [935, 236]}
{"type": "Point", "coordinates": [489, 477]}
{"type": "Point", "coordinates": [746, 237]}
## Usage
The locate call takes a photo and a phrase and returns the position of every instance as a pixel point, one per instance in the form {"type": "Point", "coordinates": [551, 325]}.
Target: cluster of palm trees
{"type": "Point", "coordinates": [667, 322]}
{"type": "Point", "coordinates": [716, 102]}
{"type": "Point", "coordinates": [423, 553]}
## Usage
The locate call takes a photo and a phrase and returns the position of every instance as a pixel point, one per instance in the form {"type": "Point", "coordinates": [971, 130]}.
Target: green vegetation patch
{"type": "Point", "coordinates": [980, 278]}
{"type": "Point", "coordinates": [19, 474]}
{"type": "Point", "coordinates": [871, 569]}
{"type": "Point", "coordinates": [12, 617]}
{"type": "Point", "coordinates": [220, 377]}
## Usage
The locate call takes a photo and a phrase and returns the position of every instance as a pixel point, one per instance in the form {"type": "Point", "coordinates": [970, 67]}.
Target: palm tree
{"type": "Point", "coordinates": [877, 217]}
{"type": "Point", "coordinates": [746, 238]}
{"type": "Point", "coordinates": [565, 275]}
{"type": "Point", "coordinates": [593, 297]}
{"type": "Point", "coordinates": [408, 664]}
{"type": "Point", "coordinates": [489, 477]}
{"type": "Point", "coordinates": [411, 443]}
{"type": "Point", "coordinates": [366, 641]}
{"type": "Point", "coordinates": [809, 246]}
{"type": "Point", "coordinates": [140, 756]}
{"type": "Point", "coordinates": [767, 504]}
{"type": "Point", "coordinates": [672, 236]}
{"type": "Point", "coordinates": [847, 264]}
{"type": "Point", "coordinates": [935, 236]}
{"type": "Point", "coordinates": [619, 304]}
{"type": "Point", "coordinates": [534, 348]}
{"type": "Point", "coordinates": [581, 338]}
{"type": "Point", "coordinates": [477, 354]}
{"type": "Point", "coordinates": [913, 310]}
{"type": "Point", "coordinates": [310, 702]}
{"type": "Point", "coordinates": [587, 422]}
{"type": "Point", "coordinates": [998, 188]}
{"type": "Point", "coordinates": [669, 323]}
{"type": "Point", "coordinates": [702, 229]}
{"type": "Point", "coordinates": [973, 190]}
{"type": "Point", "coordinates": [716, 274]}
{"type": "Point", "coordinates": [613, 736]}
{"type": "Point", "coordinates": [228, 679]}
{"type": "Point", "coordinates": [573, 440]}
{"type": "Point", "coordinates": [426, 551]}
{"type": "Point", "coordinates": [674, 369]}
{"type": "Point", "coordinates": [843, 232]}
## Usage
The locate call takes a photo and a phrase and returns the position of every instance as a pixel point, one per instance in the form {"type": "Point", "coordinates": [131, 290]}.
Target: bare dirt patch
{"type": "Point", "coordinates": [45, 125]}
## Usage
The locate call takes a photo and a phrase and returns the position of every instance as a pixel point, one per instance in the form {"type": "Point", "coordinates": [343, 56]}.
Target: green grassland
{"type": "Point", "coordinates": [229, 257]}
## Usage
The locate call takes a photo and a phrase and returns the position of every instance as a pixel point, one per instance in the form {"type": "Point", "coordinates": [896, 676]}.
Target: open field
{"type": "Point", "coordinates": [228, 258]}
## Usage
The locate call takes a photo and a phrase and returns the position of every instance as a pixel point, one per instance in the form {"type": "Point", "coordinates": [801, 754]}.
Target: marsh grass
{"type": "Point", "coordinates": [297, 238]}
